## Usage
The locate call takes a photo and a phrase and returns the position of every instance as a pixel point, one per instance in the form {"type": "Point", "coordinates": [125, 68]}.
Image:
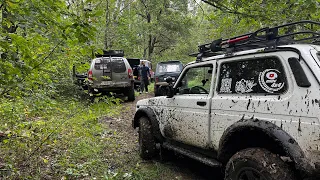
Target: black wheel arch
{"type": "Point", "coordinates": [149, 113]}
{"type": "Point", "coordinates": [248, 133]}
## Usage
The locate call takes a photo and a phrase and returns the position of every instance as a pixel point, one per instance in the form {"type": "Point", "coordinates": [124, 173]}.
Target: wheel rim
{"type": "Point", "coordinates": [248, 173]}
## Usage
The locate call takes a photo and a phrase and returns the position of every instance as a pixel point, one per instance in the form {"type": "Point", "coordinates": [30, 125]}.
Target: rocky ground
{"type": "Point", "coordinates": [125, 154]}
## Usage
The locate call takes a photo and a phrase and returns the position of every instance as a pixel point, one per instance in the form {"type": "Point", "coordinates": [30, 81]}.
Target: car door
{"type": "Point", "coordinates": [186, 115]}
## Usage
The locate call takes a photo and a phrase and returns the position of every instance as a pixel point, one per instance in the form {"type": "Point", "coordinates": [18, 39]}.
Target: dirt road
{"type": "Point", "coordinates": [126, 157]}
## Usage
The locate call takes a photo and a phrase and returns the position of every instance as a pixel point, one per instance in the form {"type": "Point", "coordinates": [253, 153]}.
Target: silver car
{"type": "Point", "coordinates": [111, 74]}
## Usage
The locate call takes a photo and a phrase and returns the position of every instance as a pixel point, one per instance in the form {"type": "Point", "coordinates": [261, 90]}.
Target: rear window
{"type": "Point", "coordinates": [162, 68]}
{"type": "Point", "coordinates": [115, 65]}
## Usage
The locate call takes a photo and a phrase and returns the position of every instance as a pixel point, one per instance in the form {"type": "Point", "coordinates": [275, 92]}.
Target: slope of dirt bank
{"type": "Point", "coordinates": [124, 156]}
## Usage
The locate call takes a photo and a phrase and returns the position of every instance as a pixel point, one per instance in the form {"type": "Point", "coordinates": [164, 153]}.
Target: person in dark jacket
{"type": "Point", "coordinates": [144, 77]}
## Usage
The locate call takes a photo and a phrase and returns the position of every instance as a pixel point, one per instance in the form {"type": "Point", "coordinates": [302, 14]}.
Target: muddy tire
{"type": "Point", "coordinates": [257, 163]}
{"type": "Point", "coordinates": [131, 96]}
{"type": "Point", "coordinates": [147, 144]}
{"type": "Point", "coordinates": [156, 91]}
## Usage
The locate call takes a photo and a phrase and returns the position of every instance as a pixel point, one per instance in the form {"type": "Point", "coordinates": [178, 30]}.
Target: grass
{"type": "Point", "coordinates": [54, 138]}
{"type": "Point", "coordinates": [67, 139]}
{"type": "Point", "coordinates": [70, 139]}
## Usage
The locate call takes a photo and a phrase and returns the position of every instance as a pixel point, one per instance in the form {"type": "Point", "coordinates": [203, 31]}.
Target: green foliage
{"type": "Point", "coordinates": [38, 48]}
{"type": "Point", "coordinates": [54, 138]}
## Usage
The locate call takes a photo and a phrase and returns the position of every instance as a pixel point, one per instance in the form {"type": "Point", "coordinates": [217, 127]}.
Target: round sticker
{"type": "Point", "coordinates": [271, 75]}
{"type": "Point", "coordinates": [268, 80]}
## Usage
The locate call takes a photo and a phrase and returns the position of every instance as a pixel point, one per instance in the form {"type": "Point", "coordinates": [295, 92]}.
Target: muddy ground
{"type": "Point", "coordinates": [125, 155]}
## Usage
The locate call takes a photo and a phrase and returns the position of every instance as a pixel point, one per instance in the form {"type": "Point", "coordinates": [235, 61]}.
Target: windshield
{"type": "Point", "coordinates": [168, 68]}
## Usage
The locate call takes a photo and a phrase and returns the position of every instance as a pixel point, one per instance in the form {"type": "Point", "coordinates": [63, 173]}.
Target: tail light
{"type": "Point", "coordinates": [157, 79]}
{"type": "Point", "coordinates": [130, 74]}
{"type": "Point", "coordinates": [138, 78]}
{"type": "Point", "coordinates": [90, 75]}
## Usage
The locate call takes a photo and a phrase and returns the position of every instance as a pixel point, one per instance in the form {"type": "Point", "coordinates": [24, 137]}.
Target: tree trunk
{"type": "Point", "coordinates": [106, 32]}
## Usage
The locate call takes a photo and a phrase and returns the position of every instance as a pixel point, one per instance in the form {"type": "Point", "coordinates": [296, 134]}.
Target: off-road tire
{"type": "Point", "coordinates": [156, 91]}
{"type": "Point", "coordinates": [131, 96]}
{"type": "Point", "coordinates": [147, 144]}
{"type": "Point", "coordinates": [255, 162]}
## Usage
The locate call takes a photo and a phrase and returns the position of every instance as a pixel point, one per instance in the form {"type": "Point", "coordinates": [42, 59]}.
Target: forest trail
{"type": "Point", "coordinates": [178, 167]}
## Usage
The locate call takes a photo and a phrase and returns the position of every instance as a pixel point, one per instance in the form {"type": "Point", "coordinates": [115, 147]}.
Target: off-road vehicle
{"type": "Point", "coordinates": [250, 105]}
{"type": "Point", "coordinates": [163, 71]}
{"type": "Point", "coordinates": [111, 72]}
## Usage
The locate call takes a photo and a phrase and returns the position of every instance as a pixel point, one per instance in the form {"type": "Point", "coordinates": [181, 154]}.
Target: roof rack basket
{"type": "Point", "coordinates": [111, 53]}
{"type": "Point", "coordinates": [298, 32]}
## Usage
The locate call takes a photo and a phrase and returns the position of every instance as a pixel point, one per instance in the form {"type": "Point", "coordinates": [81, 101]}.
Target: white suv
{"type": "Point", "coordinates": [253, 110]}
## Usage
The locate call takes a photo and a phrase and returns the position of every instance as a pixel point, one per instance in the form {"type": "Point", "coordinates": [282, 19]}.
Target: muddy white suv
{"type": "Point", "coordinates": [249, 104]}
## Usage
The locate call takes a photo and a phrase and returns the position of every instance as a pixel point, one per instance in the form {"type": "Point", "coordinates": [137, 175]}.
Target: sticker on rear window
{"type": "Point", "coordinates": [268, 80]}
{"type": "Point", "coordinates": [226, 85]}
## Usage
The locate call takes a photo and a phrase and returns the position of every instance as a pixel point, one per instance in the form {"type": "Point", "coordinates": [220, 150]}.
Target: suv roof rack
{"type": "Point", "coordinates": [263, 38]}
{"type": "Point", "coordinates": [112, 53]}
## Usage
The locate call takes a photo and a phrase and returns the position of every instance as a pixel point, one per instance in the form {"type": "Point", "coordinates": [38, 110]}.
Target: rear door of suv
{"type": "Point", "coordinates": [107, 71]}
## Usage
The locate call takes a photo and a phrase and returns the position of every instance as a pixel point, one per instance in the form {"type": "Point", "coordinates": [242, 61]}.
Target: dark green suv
{"type": "Point", "coordinates": [164, 70]}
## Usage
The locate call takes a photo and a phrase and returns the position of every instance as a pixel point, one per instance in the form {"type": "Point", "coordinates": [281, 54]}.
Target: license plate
{"type": "Point", "coordinates": [106, 82]}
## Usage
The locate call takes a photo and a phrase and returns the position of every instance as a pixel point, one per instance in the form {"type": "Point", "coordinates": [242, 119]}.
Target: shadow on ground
{"type": "Point", "coordinates": [187, 168]}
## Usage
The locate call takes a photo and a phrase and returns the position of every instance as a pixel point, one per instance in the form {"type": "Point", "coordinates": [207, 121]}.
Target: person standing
{"type": "Point", "coordinates": [144, 77]}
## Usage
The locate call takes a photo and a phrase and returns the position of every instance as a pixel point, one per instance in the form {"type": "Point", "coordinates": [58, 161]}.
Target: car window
{"type": "Point", "coordinates": [318, 55]}
{"type": "Point", "coordinates": [116, 64]}
{"type": "Point", "coordinates": [196, 80]}
{"type": "Point", "coordinates": [264, 75]}
{"type": "Point", "coordinates": [166, 67]}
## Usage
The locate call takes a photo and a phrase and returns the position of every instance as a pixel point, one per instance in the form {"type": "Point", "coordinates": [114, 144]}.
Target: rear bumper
{"type": "Point", "coordinates": [110, 87]}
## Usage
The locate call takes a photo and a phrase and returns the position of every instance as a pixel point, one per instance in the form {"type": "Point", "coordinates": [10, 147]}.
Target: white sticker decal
{"type": "Point", "coordinates": [268, 80]}
{"type": "Point", "coordinates": [244, 86]}
{"type": "Point", "coordinates": [226, 85]}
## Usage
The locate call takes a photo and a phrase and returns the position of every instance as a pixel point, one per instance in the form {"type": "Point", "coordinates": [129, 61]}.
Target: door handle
{"type": "Point", "coordinates": [201, 103]}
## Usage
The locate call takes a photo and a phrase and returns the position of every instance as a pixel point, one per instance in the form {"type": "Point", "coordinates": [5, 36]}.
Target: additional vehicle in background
{"type": "Point", "coordinates": [163, 71]}
{"type": "Point", "coordinates": [111, 72]}
{"type": "Point", "coordinates": [80, 79]}
{"type": "Point", "coordinates": [250, 105]}
{"type": "Point", "coordinates": [135, 64]}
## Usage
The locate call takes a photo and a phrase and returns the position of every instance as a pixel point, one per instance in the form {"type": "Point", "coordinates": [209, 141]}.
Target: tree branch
{"type": "Point", "coordinates": [50, 53]}
{"type": "Point", "coordinates": [226, 9]}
